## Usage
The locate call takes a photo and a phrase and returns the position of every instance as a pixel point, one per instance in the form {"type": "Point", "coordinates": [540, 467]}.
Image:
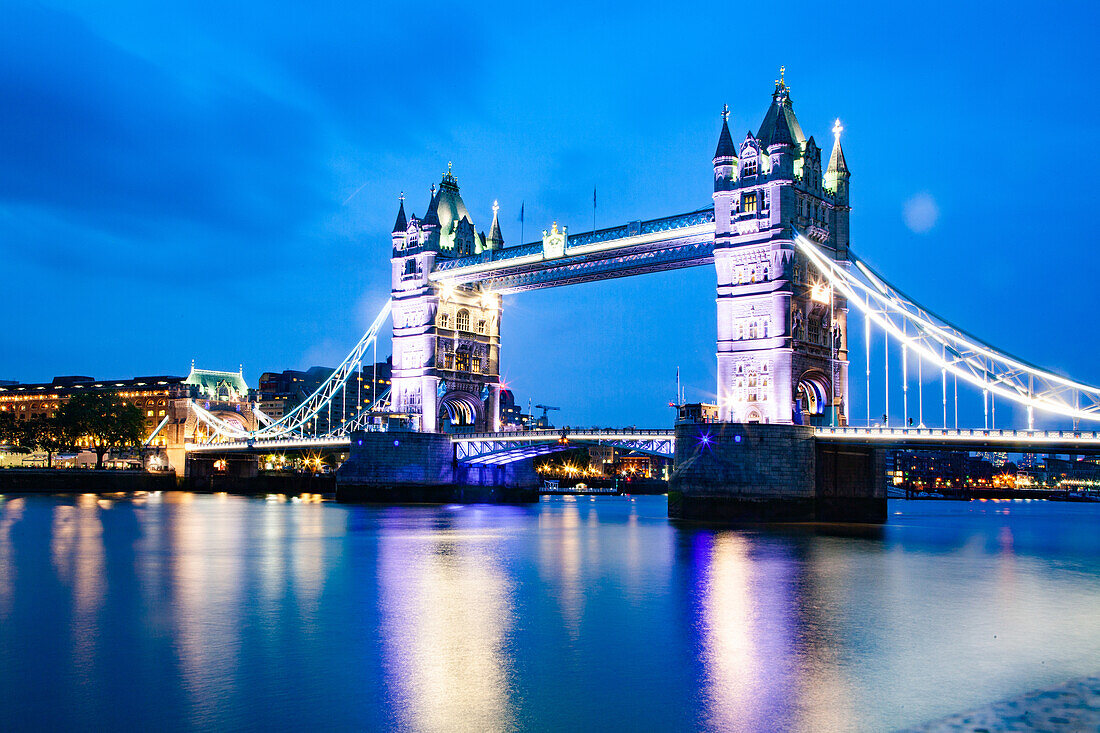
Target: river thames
{"type": "Point", "coordinates": [185, 612]}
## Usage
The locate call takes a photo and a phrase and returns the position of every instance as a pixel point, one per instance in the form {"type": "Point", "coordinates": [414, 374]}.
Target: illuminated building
{"type": "Point", "coordinates": [280, 392]}
{"type": "Point", "coordinates": [446, 339]}
{"type": "Point", "coordinates": [997, 458]}
{"type": "Point", "coordinates": [782, 333]}
{"type": "Point", "coordinates": [164, 401]}
{"type": "Point", "coordinates": [152, 395]}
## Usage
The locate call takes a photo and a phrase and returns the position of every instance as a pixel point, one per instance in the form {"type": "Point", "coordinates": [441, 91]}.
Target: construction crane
{"type": "Point", "coordinates": [544, 421]}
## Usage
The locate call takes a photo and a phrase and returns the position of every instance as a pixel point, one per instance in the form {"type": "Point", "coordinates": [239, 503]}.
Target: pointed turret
{"type": "Point", "coordinates": [780, 115]}
{"type": "Point", "coordinates": [402, 223]}
{"type": "Point", "coordinates": [725, 149]}
{"type": "Point", "coordinates": [837, 164]}
{"type": "Point", "coordinates": [725, 156]}
{"type": "Point", "coordinates": [495, 241]}
{"type": "Point", "coordinates": [837, 174]}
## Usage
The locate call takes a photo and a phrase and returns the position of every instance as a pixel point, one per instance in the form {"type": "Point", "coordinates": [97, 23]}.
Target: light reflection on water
{"type": "Point", "coordinates": [227, 612]}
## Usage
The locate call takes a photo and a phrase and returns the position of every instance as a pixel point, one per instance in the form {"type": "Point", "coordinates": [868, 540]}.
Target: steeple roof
{"type": "Point", "coordinates": [780, 115]}
{"type": "Point", "coordinates": [725, 147]}
{"type": "Point", "coordinates": [448, 207]}
{"type": "Point", "coordinates": [402, 223]}
{"type": "Point", "coordinates": [496, 240]}
{"type": "Point", "coordinates": [837, 164]}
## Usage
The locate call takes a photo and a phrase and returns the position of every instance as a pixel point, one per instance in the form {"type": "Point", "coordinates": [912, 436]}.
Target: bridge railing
{"type": "Point", "coordinates": [557, 433]}
{"type": "Point", "coordinates": [901, 432]}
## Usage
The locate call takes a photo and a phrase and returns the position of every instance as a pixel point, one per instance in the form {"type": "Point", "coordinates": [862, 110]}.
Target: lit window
{"type": "Point", "coordinates": [149, 413]}
{"type": "Point", "coordinates": [475, 364]}
{"type": "Point", "coordinates": [748, 166]}
{"type": "Point", "coordinates": [161, 414]}
{"type": "Point", "coordinates": [748, 203]}
{"type": "Point", "coordinates": [462, 361]}
{"type": "Point", "coordinates": [448, 361]}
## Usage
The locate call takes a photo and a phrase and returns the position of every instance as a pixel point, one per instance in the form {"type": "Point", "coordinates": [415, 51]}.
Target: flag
{"type": "Point", "coordinates": [593, 197]}
{"type": "Point", "coordinates": [521, 211]}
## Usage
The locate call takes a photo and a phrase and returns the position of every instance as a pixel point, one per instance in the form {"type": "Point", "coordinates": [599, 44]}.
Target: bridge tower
{"type": "Point", "coordinates": [446, 339]}
{"type": "Point", "coordinates": [782, 333]}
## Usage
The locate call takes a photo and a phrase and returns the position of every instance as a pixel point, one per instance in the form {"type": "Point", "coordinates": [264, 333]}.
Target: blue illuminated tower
{"type": "Point", "coordinates": [782, 334]}
{"type": "Point", "coordinates": [446, 340]}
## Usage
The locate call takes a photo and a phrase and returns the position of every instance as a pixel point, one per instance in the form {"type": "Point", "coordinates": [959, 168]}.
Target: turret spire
{"type": "Point", "coordinates": [496, 240]}
{"type": "Point", "coordinates": [837, 174]}
{"type": "Point", "coordinates": [837, 164]}
{"type": "Point", "coordinates": [725, 149]}
{"type": "Point", "coordinates": [402, 223]}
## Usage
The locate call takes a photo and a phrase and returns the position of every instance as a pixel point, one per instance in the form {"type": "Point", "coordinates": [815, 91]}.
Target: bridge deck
{"type": "Point", "coordinates": [505, 447]}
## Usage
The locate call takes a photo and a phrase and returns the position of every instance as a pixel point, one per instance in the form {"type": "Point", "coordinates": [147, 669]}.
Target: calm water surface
{"type": "Point", "coordinates": [181, 612]}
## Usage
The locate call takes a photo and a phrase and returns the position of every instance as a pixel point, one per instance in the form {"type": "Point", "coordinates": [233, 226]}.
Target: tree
{"type": "Point", "coordinates": [9, 430]}
{"type": "Point", "coordinates": [105, 420]}
{"type": "Point", "coordinates": [50, 434]}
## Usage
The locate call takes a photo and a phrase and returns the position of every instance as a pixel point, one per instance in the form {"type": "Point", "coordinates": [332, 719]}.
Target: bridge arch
{"type": "Point", "coordinates": [460, 412]}
{"type": "Point", "coordinates": [813, 393]}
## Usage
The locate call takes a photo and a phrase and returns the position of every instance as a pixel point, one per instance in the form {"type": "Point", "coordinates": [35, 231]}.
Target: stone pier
{"type": "Point", "coordinates": [773, 473]}
{"type": "Point", "coordinates": [401, 467]}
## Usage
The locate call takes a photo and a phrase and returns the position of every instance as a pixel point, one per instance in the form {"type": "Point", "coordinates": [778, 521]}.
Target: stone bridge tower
{"type": "Point", "coordinates": [446, 339]}
{"type": "Point", "coordinates": [782, 333]}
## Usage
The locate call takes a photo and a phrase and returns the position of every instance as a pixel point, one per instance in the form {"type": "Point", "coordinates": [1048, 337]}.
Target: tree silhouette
{"type": "Point", "coordinates": [105, 420]}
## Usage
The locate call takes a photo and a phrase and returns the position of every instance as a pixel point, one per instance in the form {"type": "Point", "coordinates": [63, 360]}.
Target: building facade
{"type": "Point", "coordinates": [782, 334]}
{"type": "Point", "coordinates": [278, 393]}
{"type": "Point", "coordinates": [446, 339]}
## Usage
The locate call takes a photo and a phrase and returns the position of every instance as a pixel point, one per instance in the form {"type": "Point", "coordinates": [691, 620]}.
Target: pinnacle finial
{"type": "Point", "coordinates": [725, 112]}
{"type": "Point", "coordinates": [401, 197]}
{"type": "Point", "coordinates": [496, 207]}
{"type": "Point", "coordinates": [837, 129]}
{"type": "Point", "coordinates": [432, 189]}
{"type": "Point", "coordinates": [782, 70]}
{"type": "Point", "coordinates": [449, 167]}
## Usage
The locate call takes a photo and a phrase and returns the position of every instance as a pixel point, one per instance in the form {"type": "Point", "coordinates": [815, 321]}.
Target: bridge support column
{"type": "Point", "coordinates": [414, 467]}
{"type": "Point", "coordinates": [772, 473]}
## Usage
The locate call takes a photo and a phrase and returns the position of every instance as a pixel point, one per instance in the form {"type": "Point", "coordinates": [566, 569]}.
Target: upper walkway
{"type": "Point", "coordinates": [635, 248]}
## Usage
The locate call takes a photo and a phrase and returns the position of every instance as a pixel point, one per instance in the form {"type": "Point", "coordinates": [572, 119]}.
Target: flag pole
{"type": "Point", "coordinates": [593, 209]}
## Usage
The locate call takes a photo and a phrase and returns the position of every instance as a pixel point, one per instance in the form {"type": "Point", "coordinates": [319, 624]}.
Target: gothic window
{"type": "Point", "coordinates": [462, 321]}
{"type": "Point", "coordinates": [448, 360]}
{"type": "Point", "coordinates": [444, 320]}
{"type": "Point", "coordinates": [475, 364]}
{"type": "Point", "coordinates": [462, 361]}
{"type": "Point", "coordinates": [748, 203]}
{"type": "Point", "coordinates": [752, 275]}
{"type": "Point", "coordinates": [748, 166]}
{"type": "Point", "coordinates": [410, 268]}
{"type": "Point", "coordinates": [752, 329]}
{"type": "Point", "coordinates": [740, 331]}
{"type": "Point", "coordinates": [764, 278]}
{"type": "Point", "coordinates": [815, 330]}
{"type": "Point", "coordinates": [481, 326]}
{"type": "Point", "coordinates": [752, 386]}
{"type": "Point", "coordinates": [764, 327]}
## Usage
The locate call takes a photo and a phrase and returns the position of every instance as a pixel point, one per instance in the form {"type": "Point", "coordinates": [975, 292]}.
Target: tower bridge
{"type": "Point", "coordinates": [777, 234]}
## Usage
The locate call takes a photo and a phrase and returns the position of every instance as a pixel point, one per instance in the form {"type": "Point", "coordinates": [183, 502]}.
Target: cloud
{"type": "Point", "coordinates": [921, 213]}
{"type": "Point", "coordinates": [111, 142]}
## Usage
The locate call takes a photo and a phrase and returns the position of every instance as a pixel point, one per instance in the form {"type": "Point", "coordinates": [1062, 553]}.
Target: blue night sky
{"type": "Point", "coordinates": [217, 181]}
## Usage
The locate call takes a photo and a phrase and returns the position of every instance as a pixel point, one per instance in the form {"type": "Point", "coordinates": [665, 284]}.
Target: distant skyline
{"type": "Point", "coordinates": [218, 182]}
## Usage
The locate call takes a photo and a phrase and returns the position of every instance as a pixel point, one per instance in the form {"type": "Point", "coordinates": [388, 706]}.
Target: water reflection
{"type": "Point", "coordinates": [11, 511]}
{"type": "Point", "coordinates": [77, 552]}
{"type": "Point", "coordinates": [446, 611]}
